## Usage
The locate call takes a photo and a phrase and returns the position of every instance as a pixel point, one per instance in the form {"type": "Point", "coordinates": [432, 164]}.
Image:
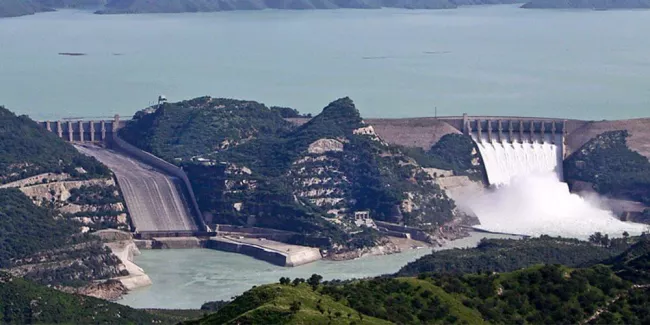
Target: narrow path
{"type": "Point", "coordinates": [613, 300]}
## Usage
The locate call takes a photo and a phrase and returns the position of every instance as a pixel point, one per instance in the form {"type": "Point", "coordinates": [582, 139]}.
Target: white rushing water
{"type": "Point", "coordinates": [505, 160]}
{"type": "Point", "coordinates": [538, 204]}
{"type": "Point", "coordinates": [529, 198]}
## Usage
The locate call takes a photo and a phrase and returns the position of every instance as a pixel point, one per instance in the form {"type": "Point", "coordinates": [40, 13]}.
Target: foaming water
{"type": "Point", "coordinates": [540, 203]}
{"type": "Point", "coordinates": [529, 197]}
{"type": "Point", "coordinates": [509, 159]}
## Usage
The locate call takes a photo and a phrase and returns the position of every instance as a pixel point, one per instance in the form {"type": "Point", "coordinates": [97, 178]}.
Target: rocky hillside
{"type": "Point", "coordinates": [310, 178]}
{"type": "Point", "coordinates": [611, 168]}
{"type": "Point", "coordinates": [55, 175]}
{"type": "Point", "coordinates": [36, 245]}
{"type": "Point", "coordinates": [51, 199]}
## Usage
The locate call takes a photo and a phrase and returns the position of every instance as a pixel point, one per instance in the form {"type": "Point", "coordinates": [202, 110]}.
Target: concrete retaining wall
{"type": "Point", "coordinates": [297, 258]}
{"type": "Point", "coordinates": [272, 257]}
{"type": "Point", "coordinates": [166, 167]}
{"type": "Point", "coordinates": [415, 233]}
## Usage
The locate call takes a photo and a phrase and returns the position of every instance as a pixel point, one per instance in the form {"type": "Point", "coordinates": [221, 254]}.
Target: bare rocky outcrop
{"type": "Point", "coordinates": [324, 145]}
{"type": "Point", "coordinates": [107, 290]}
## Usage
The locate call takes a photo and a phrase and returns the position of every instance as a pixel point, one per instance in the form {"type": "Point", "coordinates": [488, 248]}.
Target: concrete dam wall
{"type": "Point", "coordinates": [514, 148]}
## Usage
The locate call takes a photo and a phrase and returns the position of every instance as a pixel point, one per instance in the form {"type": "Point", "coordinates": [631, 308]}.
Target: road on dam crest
{"type": "Point", "coordinates": [154, 199]}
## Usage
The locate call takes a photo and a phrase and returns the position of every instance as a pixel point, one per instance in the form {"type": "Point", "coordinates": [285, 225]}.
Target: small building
{"type": "Point", "coordinates": [362, 219]}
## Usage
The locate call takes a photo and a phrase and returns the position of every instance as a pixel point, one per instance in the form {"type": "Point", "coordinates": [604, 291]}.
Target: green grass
{"type": "Point", "coordinates": [271, 304]}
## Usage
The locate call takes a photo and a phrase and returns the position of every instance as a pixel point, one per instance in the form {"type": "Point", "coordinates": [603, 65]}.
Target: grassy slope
{"type": "Point", "coordinates": [270, 304]}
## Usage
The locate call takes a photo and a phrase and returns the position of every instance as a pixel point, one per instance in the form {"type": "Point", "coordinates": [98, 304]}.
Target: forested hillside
{"type": "Point", "coordinates": [49, 250]}
{"type": "Point", "coordinates": [612, 168]}
{"type": "Point", "coordinates": [26, 229]}
{"type": "Point", "coordinates": [26, 149]}
{"type": "Point", "coordinates": [179, 131]}
{"type": "Point", "coordinates": [23, 302]}
{"type": "Point", "coordinates": [506, 255]}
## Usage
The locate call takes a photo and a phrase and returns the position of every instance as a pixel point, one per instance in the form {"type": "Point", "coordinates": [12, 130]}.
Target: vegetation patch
{"type": "Point", "coordinates": [505, 255]}
{"type": "Point", "coordinates": [26, 149]}
{"type": "Point", "coordinates": [612, 167]}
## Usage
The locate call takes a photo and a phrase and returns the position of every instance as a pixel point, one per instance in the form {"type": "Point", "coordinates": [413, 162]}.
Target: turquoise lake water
{"type": "Point", "coordinates": [483, 60]}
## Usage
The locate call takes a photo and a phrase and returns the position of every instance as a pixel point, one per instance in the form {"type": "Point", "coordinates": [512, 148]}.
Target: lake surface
{"type": "Point", "coordinates": [483, 60]}
{"type": "Point", "coordinates": [188, 278]}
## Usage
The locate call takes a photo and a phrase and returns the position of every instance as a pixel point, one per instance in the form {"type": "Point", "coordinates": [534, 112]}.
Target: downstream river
{"type": "Point", "coordinates": [186, 279]}
{"type": "Point", "coordinates": [483, 60]}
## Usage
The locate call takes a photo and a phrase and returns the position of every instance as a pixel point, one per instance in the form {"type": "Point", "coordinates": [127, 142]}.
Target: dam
{"type": "Point", "coordinates": [157, 194]}
{"type": "Point", "coordinates": [516, 148]}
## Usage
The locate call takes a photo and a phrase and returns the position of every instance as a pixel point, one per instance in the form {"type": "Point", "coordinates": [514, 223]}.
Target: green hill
{"type": "Point", "coordinates": [285, 304]}
{"type": "Point", "coordinates": [201, 126]}
{"type": "Point", "coordinates": [505, 255]}
{"type": "Point", "coordinates": [26, 149]}
{"type": "Point", "coordinates": [550, 294]}
{"type": "Point", "coordinates": [23, 302]}
{"type": "Point", "coordinates": [26, 229]}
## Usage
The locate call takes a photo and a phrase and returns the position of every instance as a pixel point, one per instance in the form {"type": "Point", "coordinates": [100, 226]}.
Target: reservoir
{"type": "Point", "coordinates": [483, 60]}
{"type": "Point", "coordinates": [186, 278]}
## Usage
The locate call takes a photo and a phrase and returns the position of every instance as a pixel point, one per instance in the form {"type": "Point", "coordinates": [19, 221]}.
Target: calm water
{"type": "Point", "coordinates": [393, 63]}
{"type": "Point", "coordinates": [188, 278]}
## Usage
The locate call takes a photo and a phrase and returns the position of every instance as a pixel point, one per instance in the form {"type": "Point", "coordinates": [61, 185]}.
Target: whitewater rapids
{"type": "Point", "coordinates": [539, 204]}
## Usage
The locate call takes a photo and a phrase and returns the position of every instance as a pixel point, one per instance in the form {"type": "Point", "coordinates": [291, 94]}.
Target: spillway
{"type": "Point", "coordinates": [523, 163]}
{"type": "Point", "coordinates": [155, 200]}
{"type": "Point", "coordinates": [505, 159]}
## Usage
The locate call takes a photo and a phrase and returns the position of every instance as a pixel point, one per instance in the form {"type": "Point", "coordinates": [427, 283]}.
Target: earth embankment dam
{"type": "Point", "coordinates": [155, 200]}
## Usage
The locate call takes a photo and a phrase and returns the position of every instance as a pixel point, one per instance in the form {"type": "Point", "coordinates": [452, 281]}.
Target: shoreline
{"type": "Point", "coordinates": [126, 250]}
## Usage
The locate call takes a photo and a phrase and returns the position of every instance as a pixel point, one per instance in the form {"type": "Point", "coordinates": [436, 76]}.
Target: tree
{"type": "Point", "coordinates": [314, 281]}
{"type": "Point", "coordinates": [298, 281]}
{"type": "Point", "coordinates": [295, 307]}
{"type": "Point", "coordinates": [285, 281]}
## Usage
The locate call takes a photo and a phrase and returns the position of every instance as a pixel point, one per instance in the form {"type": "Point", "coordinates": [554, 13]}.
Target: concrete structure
{"type": "Point", "coordinates": [273, 252]}
{"type": "Point", "coordinates": [158, 194]}
{"type": "Point", "coordinates": [80, 131]}
{"type": "Point", "coordinates": [156, 201]}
